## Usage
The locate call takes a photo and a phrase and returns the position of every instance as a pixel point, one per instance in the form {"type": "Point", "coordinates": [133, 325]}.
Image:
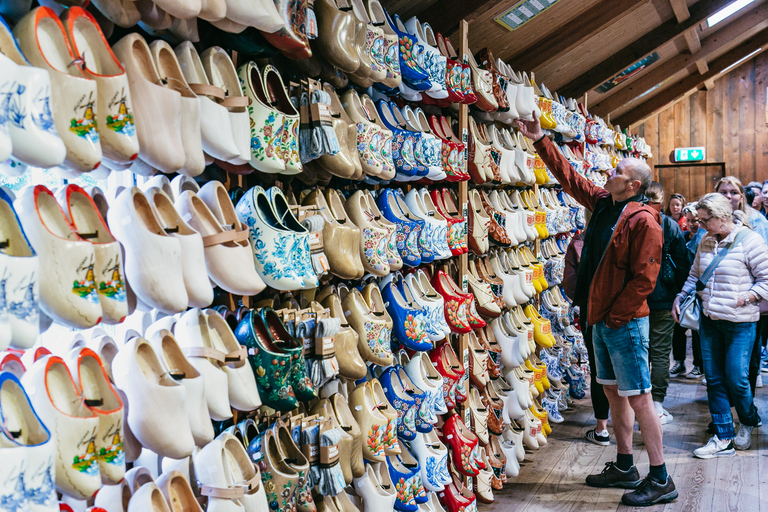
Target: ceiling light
{"type": "Point", "coordinates": [741, 60]}
{"type": "Point", "coordinates": [727, 11]}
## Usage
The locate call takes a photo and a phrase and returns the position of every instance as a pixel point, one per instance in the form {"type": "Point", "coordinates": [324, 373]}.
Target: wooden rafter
{"type": "Point", "coordinates": [680, 8]}
{"type": "Point", "coordinates": [738, 30]}
{"type": "Point", "coordinates": [678, 89]}
{"type": "Point", "coordinates": [559, 41]}
{"type": "Point", "coordinates": [641, 47]}
{"type": "Point", "coordinates": [444, 15]}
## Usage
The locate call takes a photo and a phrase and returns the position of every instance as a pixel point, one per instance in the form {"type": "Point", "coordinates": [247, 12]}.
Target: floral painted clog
{"type": "Point", "coordinates": [408, 229]}
{"type": "Point", "coordinates": [300, 382]}
{"type": "Point", "coordinates": [280, 254]}
{"type": "Point", "coordinates": [372, 423]}
{"type": "Point", "coordinates": [374, 331]}
{"type": "Point", "coordinates": [409, 322]}
{"type": "Point", "coordinates": [460, 442]}
{"type": "Point", "coordinates": [374, 240]}
{"type": "Point", "coordinates": [403, 401]}
{"type": "Point", "coordinates": [266, 122]}
{"type": "Point", "coordinates": [271, 366]}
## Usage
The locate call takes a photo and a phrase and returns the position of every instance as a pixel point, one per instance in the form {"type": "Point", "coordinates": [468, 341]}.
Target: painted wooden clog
{"type": "Point", "coordinates": [68, 291]}
{"type": "Point", "coordinates": [43, 39]}
{"type": "Point", "coordinates": [117, 130]}
{"type": "Point", "coordinates": [74, 427]}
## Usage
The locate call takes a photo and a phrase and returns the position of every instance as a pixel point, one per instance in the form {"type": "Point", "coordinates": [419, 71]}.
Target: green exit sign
{"type": "Point", "coordinates": [690, 154]}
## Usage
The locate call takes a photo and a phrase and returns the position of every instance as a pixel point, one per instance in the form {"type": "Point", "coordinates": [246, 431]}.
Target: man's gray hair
{"type": "Point", "coordinates": [638, 170]}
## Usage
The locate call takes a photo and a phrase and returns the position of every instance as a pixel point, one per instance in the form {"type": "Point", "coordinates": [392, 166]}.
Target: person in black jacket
{"type": "Point", "coordinates": [672, 276]}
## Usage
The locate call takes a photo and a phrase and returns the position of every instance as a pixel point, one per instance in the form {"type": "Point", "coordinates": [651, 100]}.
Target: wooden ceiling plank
{"type": "Point", "coordinates": [735, 31]}
{"type": "Point", "coordinates": [558, 41]}
{"type": "Point", "coordinates": [672, 93]}
{"type": "Point", "coordinates": [444, 15]}
{"type": "Point", "coordinates": [640, 48]}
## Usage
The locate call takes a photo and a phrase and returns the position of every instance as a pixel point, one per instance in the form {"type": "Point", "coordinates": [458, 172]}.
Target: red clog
{"type": "Point", "coordinates": [461, 442]}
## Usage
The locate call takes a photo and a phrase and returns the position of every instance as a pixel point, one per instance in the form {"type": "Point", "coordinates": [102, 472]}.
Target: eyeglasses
{"type": "Point", "coordinates": [704, 221]}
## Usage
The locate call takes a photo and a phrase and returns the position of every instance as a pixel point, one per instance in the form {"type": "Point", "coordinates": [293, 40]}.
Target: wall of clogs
{"type": "Point", "coordinates": [272, 256]}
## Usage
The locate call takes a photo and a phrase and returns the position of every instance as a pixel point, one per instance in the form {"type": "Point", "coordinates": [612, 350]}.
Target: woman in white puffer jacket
{"type": "Point", "coordinates": [729, 316]}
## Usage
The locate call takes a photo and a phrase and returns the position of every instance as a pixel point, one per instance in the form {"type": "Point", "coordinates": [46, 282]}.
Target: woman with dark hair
{"type": "Point", "coordinates": [675, 210]}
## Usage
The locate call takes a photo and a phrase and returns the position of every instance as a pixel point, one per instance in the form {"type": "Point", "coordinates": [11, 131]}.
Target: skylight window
{"type": "Point", "coordinates": [727, 11]}
{"type": "Point", "coordinates": [741, 60]}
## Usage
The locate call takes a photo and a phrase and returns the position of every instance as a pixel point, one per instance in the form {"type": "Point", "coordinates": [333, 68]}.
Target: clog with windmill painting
{"type": "Point", "coordinates": [117, 132]}
{"type": "Point", "coordinates": [73, 426]}
{"type": "Point", "coordinates": [69, 291]}
{"type": "Point", "coordinates": [108, 270]}
{"type": "Point", "coordinates": [103, 401]}
{"type": "Point", "coordinates": [43, 40]}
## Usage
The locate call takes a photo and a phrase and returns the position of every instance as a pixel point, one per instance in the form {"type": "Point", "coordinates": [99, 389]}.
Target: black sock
{"type": "Point", "coordinates": [624, 461]}
{"type": "Point", "coordinates": [659, 473]}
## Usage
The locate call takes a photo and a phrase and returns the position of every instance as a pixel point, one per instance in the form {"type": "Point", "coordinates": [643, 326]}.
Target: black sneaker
{"type": "Point", "coordinates": [678, 369]}
{"type": "Point", "coordinates": [593, 437]}
{"type": "Point", "coordinates": [612, 476]}
{"type": "Point", "coordinates": [696, 373]}
{"type": "Point", "coordinates": [650, 492]}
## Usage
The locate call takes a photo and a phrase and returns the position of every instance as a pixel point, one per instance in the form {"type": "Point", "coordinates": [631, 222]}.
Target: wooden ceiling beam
{"type": "Point", "coordinates": [444, 15]}
{"type": "Point", "coordinates": [676, 90]}
{"type": "Point", "coordinates": [680, 8]}
{"type": "Point", "coordinates": [643, 46]}
{"type": "Point", "coordinates": [755, 19]}
{"type": "Point", "coordinates": [559, 41]}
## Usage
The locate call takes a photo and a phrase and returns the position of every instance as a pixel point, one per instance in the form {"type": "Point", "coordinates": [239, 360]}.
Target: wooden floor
{"type": "Point", "coordinates": [552, 478]}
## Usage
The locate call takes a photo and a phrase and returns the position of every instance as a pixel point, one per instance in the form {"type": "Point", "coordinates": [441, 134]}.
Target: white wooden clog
{"type": "Point", "coordinates": [102, 399]}
{"type": "Point", "coordinates": [73, 426]}
{"type": "Point", "coordinates": [85, 217]}
{"type": "Point", "coordinates": [156, 413]}
{"type": "Point", "coordinates": [153, 260]}
{"type": "Point", "coordinates": [27, 452]}
{"type": "Point", "coordinates": [199, 290]}
{"type": "Point", "coordinates": [187, 375]}
{"type": "Point", "coordinates": [194, 338]}
{"type": "Point", "coordinates": [68, 291]}
{"type": "Point", "coordinates": [43, 40]}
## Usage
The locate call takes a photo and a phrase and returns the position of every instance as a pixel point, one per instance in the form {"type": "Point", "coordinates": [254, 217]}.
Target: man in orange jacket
{"type": "Point", "coordinates": [620, 262]}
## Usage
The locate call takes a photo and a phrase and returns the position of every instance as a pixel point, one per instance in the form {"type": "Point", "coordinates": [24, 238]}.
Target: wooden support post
{"type": "Point", "coordinates": [463, 259]}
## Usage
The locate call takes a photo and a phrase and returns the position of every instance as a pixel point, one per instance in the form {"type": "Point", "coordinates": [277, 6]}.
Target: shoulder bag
{"type": "Point", "coordinates": [690, 308]}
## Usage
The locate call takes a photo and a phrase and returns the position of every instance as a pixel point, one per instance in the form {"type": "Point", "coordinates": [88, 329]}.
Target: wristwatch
{"type": "Point", "coordinates": [747, 300]}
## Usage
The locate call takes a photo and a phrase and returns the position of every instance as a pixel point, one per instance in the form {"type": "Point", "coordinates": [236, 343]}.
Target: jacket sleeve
{"type": "Point", "coordinates": [646, 243]}
{"type": "Point", "coordinates": [583, 190]}
{"type": "Point", "coordinates": [759, 224]}
{"type": "Point", "coordinates": [757, 261]}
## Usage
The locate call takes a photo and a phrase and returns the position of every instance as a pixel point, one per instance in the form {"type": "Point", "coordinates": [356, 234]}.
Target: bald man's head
{"type": "Point", "coordinates": [638, 170]}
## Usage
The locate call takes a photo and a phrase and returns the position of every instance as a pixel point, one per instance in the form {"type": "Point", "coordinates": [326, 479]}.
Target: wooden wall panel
{"type": "Point", "coordinates": [729, 120]}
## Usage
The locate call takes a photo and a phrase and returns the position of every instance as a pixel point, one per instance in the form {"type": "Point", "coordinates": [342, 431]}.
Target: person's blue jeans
{"type": "Point", "coordinates": [726, 349]}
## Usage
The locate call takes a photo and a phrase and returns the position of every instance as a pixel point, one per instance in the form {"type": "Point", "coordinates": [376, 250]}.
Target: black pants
{"type": "Point", "coordinates": [596, 393]}
{"type": "Point", "coordinates": [680, 345]}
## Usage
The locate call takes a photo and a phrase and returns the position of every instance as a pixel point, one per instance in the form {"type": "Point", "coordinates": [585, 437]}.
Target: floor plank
{"type": "Point", "coordinates": [552, 478]}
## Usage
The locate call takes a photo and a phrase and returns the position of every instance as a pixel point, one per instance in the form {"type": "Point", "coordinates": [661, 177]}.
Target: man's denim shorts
{"type": "Point", "coordinates": [621, 356]}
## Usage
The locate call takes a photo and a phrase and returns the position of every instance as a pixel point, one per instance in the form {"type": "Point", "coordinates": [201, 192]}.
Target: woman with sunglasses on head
{"type": "Point", "coordinates": [729, 314]}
